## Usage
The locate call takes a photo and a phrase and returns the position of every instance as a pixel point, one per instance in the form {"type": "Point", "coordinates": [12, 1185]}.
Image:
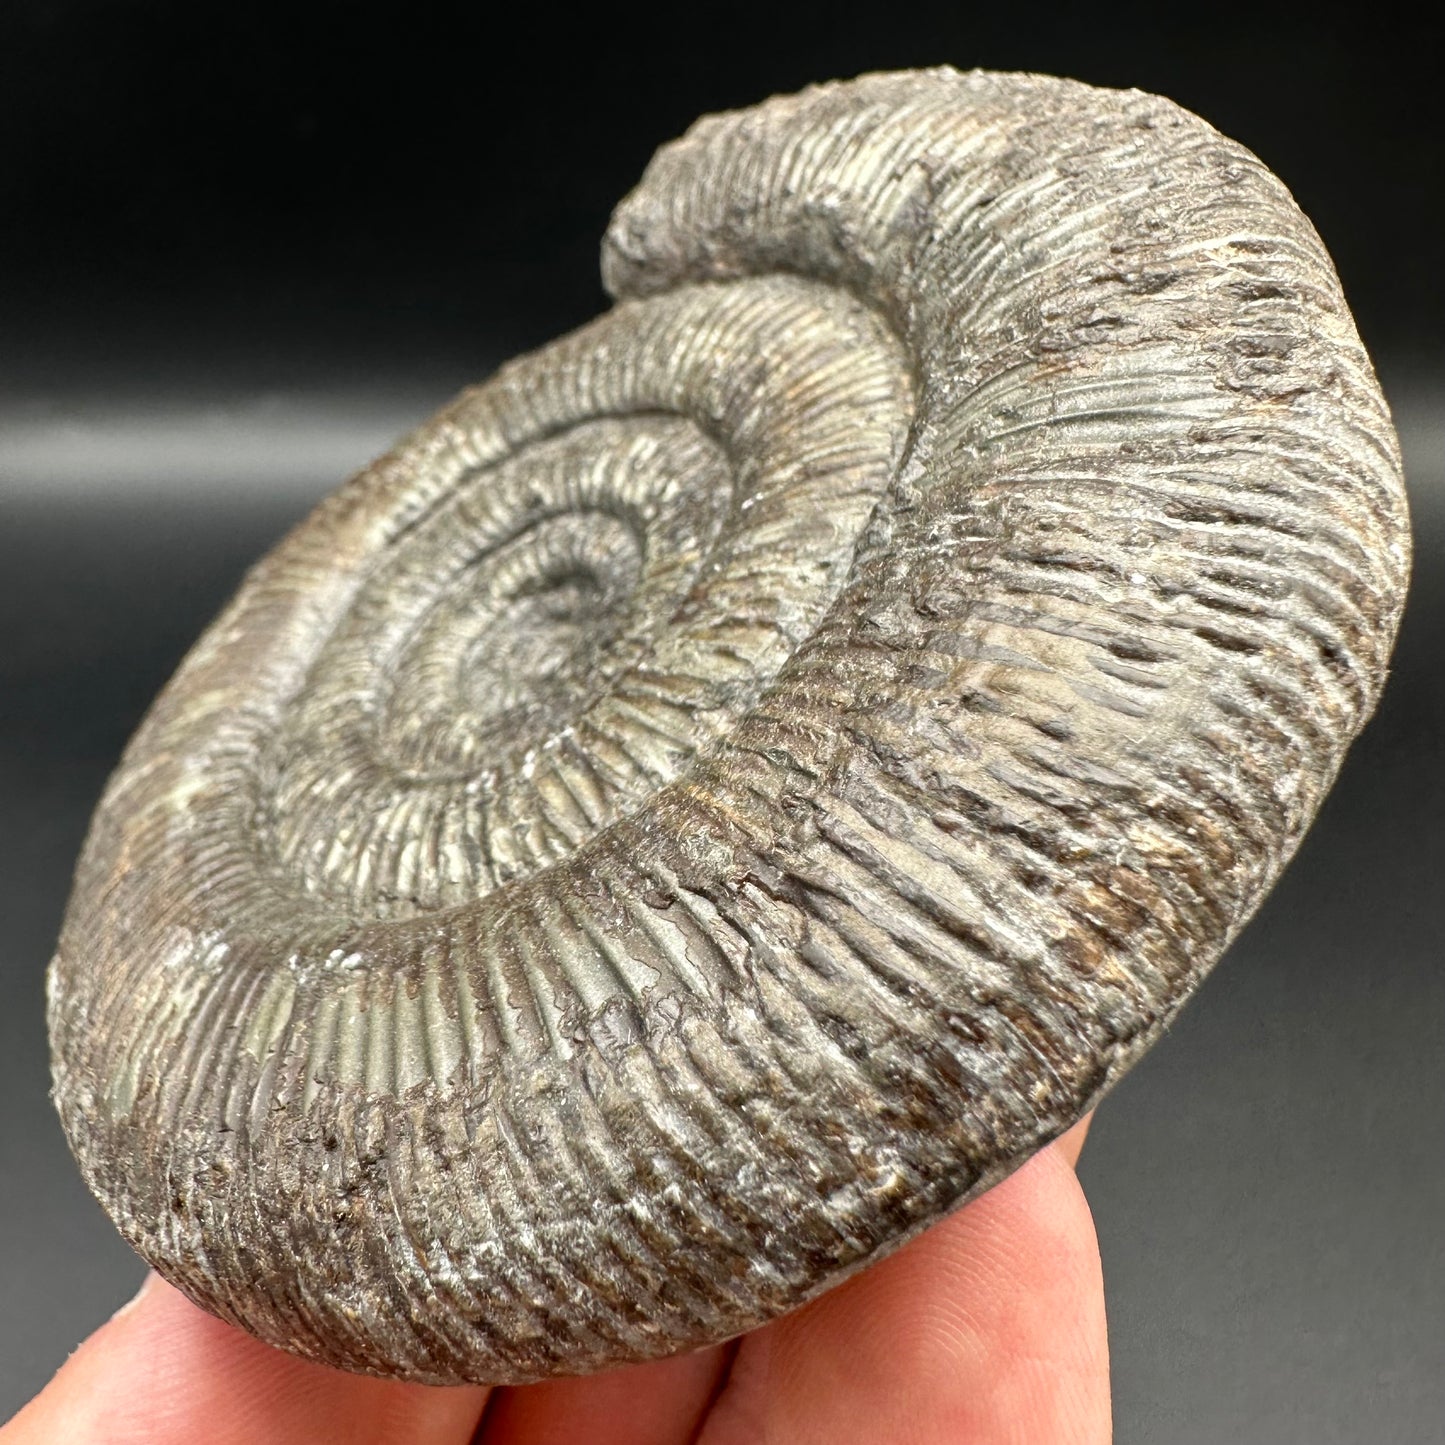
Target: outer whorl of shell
{"type": "Point", "coordinates": [736, 783]}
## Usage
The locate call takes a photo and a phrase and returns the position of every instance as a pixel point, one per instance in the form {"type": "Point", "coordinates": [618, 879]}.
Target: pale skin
{"type": "Point", "coordinates": [986, 1330]}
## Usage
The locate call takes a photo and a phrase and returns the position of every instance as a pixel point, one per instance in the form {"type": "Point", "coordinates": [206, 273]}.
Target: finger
{"type": "Point", "coordinates": [988, 1328]}
{"type": "Point", "coordinates": [1071, 1142]}
{"type": "Point", "coordinates": [163, 1372]}
{"type": "Point", "coordinates": [660, 1403]}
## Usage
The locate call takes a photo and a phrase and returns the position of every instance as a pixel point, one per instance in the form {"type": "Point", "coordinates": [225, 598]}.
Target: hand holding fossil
{"type": "Point", "coordinates": [988, 1327]}
{"type": "Point", "coordinates": [729, 789]}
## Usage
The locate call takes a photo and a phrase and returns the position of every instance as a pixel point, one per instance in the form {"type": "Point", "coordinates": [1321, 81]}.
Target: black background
{"type": "Point", "coordinates": [360, 173]}
{"type": "Point", "coordinates": [242, 247]}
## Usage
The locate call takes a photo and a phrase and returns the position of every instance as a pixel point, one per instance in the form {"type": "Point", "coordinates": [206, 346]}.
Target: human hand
{"type": "Point", "coordinates": [988, 1328]}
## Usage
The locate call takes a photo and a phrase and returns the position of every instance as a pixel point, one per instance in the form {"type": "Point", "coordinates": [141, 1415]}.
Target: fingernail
{"type": "Point", "coordinates": [151, 1279]}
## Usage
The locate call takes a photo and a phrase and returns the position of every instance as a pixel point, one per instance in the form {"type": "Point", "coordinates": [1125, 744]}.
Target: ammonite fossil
{"type": "Point", "coordinates": [736, 783]}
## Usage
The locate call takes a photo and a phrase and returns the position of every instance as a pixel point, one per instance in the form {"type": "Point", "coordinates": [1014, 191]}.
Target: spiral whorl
{"type": "Point", "coordinates": [733, 785]}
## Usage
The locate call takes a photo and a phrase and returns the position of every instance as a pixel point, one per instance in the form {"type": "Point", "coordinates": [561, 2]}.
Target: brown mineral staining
{"type": "Point", "coordinates": [736, 783]}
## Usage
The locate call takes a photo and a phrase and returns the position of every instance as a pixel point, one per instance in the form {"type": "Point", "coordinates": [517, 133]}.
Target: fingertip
{"type": "Point", "coordinates": [989, 1327]}
{"type": "Point", "coordinates": [1071, 1142]}
{"type": "Point", "coordinates": [161, 1371]}
{"type": "Point", "coordinates": [661, 1402]}
{"type": "Point", "coordinates": [151, 1280]}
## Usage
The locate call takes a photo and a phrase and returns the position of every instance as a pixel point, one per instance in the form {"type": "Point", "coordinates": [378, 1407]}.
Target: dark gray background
{"type": "Point", "coordinates": [240, 253]}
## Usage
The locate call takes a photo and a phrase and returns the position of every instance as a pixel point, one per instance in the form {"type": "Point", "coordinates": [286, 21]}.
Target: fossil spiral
{"type": "Point", "coordinates": [734, 784]}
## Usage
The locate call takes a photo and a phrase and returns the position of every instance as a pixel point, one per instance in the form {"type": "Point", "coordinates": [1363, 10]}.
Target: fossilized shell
{"type": "Point", "coordinates": [733, 785]}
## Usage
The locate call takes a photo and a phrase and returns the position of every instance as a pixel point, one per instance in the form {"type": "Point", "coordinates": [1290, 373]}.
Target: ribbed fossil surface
{"type": "Point", "coordinates": [734, 784]}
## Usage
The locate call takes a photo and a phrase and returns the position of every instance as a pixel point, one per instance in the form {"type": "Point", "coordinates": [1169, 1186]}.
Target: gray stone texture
{"type": "Point", "coordinates": [734, 785]}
